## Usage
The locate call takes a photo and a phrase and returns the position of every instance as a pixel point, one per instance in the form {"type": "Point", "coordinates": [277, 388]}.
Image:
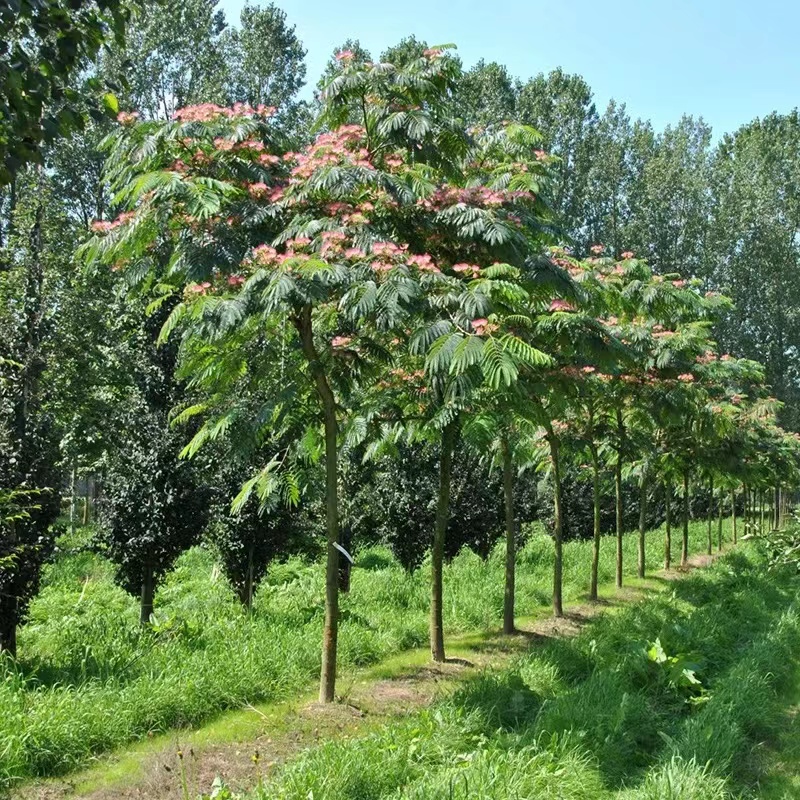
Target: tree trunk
{"type": "Point", "coordinates": [685, 541]}
{"type": "Point", "coordinates": [330, 634]}
{"type": "Point", "coordinates": [720, 510]}
{"type": "Point", "coordinates": [148, 590]}
{"type": "Point", "coordinates": [642, 524]}
{"type": "Point", "coordinates": [775, 497]}
{"type": "Point", "coordinates": [508, 496]}
{"type": "Point", "coordinates": [8, 629]}
{"type": "Point", "coordinates": [618, 495]}
{"type": "Point", "coordinates": [596, 524]}
{"type": "Point", "coordinates": [247, 590]}
{"type": "Point", "coordinates": [619, 509]}
{"type": "Point", "coordinates": [72, 498]}
{"type": "Point", "coordinates": [558, 530]}
{"type": "Point", "coordinates": [667, 524]}
{"type": "Point", "coordinates": [9, 610]}
{"type": "Point", "coordinates": [733, 512]}
{"type": "Point", "coordinates": [437, 551]}
{"type": "Point", "coordinates": [762, 504]}
{"type": "Point", "coordinates": [710, 514]}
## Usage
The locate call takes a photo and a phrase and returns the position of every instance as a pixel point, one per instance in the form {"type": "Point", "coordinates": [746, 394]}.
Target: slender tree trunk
{"type": "Point", "coordinates": [733, 512]}
{"type": "Point", "coordinates": [710, 514]}
{"type": "Point", "coordinates": [720, 514]}
{"type": "Point", "coordinates": [747, 509]}
{"type": "Point", "coordinates": [596, 523]}
{"type": "Point", "coordinates": [9, 610]}
{"type": "Point", "coordinates": [8, 629]}
{"type": "Point", "coordinates": [247, 596]}
{"type": "Point", "coordinates": [775, 496]}
{"type": "Point", "coordinates": [558, 531]}
{"type": "Point", "coordinates": [685, 541]}
{"type": "Point", "coordinates": [511, 555]}
{"type": "Point", "coordinates": [148, 590]}
{"type": "Point", "coordinates": [618, 495]}
{"type": "Point", "coordinates": [72, 498]}
{"type": "Point", "coordinates": [667, 524]}
{"type": "Point", "coordinates": [761, 496]}
{"type": "Point", "coordinates": [642, 524]}
{"type": "Point", "coordinates": [437, 552]}
{"type": "Point", "coordinates": [330, 634]}
{"type": "Point", "coordinates": [619, 510]}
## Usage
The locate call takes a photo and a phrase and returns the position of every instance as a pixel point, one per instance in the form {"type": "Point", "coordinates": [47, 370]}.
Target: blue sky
{"type": "Point", "coordinates": [725, 60]}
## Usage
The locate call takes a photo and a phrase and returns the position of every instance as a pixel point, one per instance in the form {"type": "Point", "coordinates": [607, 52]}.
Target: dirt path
{"type": "Point", "coordinates": [245, 746]}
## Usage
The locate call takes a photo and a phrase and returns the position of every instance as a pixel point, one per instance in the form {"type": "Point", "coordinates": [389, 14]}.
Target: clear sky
{"type": "Point", "coordinates": [725, 60]}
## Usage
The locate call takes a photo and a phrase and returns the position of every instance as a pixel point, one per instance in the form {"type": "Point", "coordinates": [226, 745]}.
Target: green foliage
{"type": "Point", "coordinates": [45, 45]}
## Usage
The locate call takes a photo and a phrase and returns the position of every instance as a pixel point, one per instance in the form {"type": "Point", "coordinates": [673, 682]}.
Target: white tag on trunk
{"type": "Point", "coordinates": [344, 552]}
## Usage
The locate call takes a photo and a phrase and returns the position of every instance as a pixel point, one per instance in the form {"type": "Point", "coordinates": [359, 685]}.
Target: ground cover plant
{"type": "Point", "coordinates": [670, 697]}
{"type": "Point", "coordinates": [92, 678]}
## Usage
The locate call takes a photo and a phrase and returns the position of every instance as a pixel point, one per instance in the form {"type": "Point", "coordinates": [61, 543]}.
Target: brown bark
{"type": "Point", "coordinates": [508, 496]}
{"type": "Point", "coordinates": [667, 524]}
{"type": "Point", "coordinates": [330, 635]}
{"type": "Point", "coordinates": [595, 524]}
{"type": "Point", "coordinates": [558, 530]}
{"type": "Point", "coordinates": [437, 551]}
{"type": "Point", "coordinates": [710, 514]}
{"type": "Point", "coordinates": [642, 524]}
{"type": "Point", "coordinates": [685, 538]}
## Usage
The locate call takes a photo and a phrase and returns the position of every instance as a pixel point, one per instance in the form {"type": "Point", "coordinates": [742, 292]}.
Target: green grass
{"type": "Point", "coordinates": [89, 680]}
{"type": "Point", "coordinates": [595, 716]}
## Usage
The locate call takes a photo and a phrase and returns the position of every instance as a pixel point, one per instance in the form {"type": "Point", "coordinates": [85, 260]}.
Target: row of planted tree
{"type": "Point", "coordinates": [396, 281]}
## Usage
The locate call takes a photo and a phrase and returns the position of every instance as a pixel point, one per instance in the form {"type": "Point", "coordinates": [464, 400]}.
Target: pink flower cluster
{"type": "Point", "coordinates": [483, 327]}
{"type": "Point", "coordinates": [341, 146]}
{"type": "Point", "coordinates": [194, 289]}
{"type": "Point", "coordinates": [341, 341]}
{"type": "Point", "coordinates": [479, 196]}
{"type": "Point", "coordinates": [561, 305]}
{"type": "Point", "coordinates": [686, 377]}
{"type": "Point", "coordinates": [597, 248]}
{"type": "Point", "coordinates": [467, 270]}
{"type": "Point", "coordinates": [706, 358]}
{"type": "Point", "coordinates": [104, 226]}
{"type": "Point", "coordinates": [207, 112]}
{"type": "Point", "coordinates": [424, 263]}
{"type": "Point", "coordinates": [127, 117]}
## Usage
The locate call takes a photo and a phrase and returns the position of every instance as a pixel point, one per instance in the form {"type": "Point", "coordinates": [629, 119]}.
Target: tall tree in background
{"type": "Point", "coordinates": [672, 203]}
{"type": "Point", "coordinates": [561, 108]}
{"type": "Point", "coordinates": [172, 56]}
{"type": "Point", "coordinates": [756, 250]}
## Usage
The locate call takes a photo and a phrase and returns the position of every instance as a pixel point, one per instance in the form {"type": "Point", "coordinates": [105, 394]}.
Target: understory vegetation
{"type": "Point", "coordinates": [89, 678]}
{"type": "Point", "coordinates": [673, 697]}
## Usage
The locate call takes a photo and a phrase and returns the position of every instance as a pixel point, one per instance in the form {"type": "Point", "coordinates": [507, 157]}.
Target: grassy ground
{"type": "Point", "coordinates": [89, 680]}
{"type": "Point", "coordinates": [679, 697]}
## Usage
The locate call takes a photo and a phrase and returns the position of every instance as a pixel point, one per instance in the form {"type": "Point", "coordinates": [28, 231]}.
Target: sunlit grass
{"type": "Point", "coordinates": [89, 679]}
